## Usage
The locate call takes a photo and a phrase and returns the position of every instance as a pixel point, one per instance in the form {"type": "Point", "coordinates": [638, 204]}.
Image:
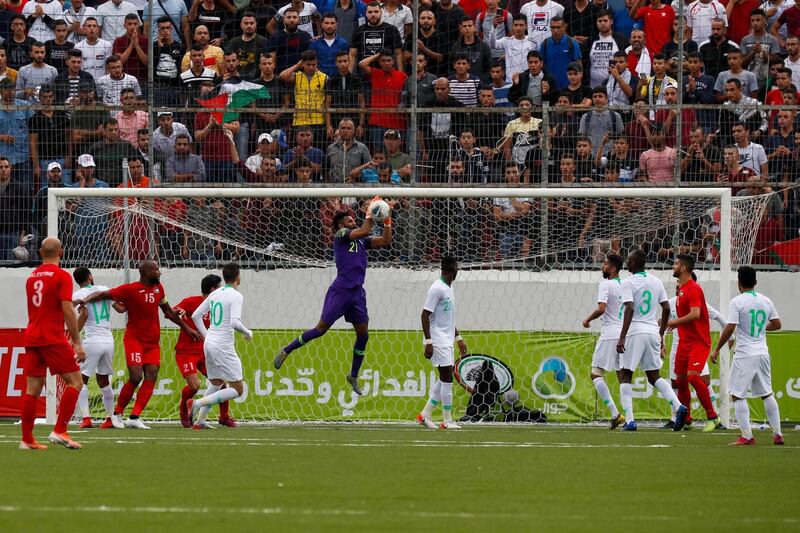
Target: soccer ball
{"type": "Point", "coordinates": [379, 210]}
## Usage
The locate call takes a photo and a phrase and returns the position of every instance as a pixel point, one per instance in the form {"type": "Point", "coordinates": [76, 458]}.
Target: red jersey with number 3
{"type": "Point", "coordinates": [699, 331]}
{"type": "Point", "coordinates": [46, 288]}
{"type": "Point", "coordinates": [185, 344]}
{"type": "Point", "coordinates": [143, 302]}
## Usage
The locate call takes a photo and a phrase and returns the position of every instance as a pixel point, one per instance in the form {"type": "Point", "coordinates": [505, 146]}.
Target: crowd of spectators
{"type": "Point", "coordinates": [510, 92]}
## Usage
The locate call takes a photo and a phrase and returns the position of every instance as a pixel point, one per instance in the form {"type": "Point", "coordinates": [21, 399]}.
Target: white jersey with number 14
{"type": "Point", "coordinates": [98, 323]}
{"type": "Point", "coordinates": [646, 292]}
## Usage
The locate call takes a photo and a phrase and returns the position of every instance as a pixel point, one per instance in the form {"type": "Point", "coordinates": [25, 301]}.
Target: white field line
{"type": "Point", "coordinates": [301, 511]}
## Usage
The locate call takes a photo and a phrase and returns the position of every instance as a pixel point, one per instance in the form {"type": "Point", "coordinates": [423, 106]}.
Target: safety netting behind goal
{"type": "Point", "coordinates": [530, 268]}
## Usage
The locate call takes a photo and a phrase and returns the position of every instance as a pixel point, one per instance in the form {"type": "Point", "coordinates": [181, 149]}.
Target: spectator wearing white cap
{"type": "Point", "coordinates": [267, 148]}
{"type": "Point", "coordinates": [39, 211]}
{"type": "Point", "coordinates": [166, 133]}
{"type": "Point", "coordinates": [85, 174]}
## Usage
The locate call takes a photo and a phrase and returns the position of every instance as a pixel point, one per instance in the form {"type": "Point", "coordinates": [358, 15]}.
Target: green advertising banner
{"type": "Point", "coordinates": [550, 371]}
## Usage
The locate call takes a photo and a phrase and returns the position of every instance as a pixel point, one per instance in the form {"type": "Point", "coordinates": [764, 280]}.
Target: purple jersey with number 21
{"type": "Point", "coordinates": [351, 260]}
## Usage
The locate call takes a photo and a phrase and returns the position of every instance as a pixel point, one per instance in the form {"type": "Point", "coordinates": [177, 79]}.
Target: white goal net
{"type": "Point", "coordinates": [530, 263]}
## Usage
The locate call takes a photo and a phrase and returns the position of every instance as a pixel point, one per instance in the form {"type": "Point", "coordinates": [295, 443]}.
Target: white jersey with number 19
{"type": "Point", "coordinates": [646, 292]}
{"type": "Point", "coordinates": [751, 312]}
{"type": "Point", "coordinates": [98, 324]}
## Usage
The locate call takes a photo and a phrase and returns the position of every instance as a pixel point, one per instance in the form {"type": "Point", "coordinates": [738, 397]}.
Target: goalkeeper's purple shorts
{"type": "Point", "coordinates": [348, 303]}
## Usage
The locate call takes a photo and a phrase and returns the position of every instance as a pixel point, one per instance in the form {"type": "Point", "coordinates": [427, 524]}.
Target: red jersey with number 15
{"type": "Point", "coordinates": [143, 303]}
{"type": "Point", "coordinates": [699, 331]}
{"type": "Point", "coordinates": [46, 288]}
{"type": "Point", "coordinates": [185, 344]}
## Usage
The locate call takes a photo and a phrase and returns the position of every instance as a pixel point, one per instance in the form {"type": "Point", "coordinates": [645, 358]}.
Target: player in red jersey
{"type": "Point", "coordinates": [190, 356]}
{"type": "Point", "coordinates": [694, 344]}
{"type": "Point", "coordinates": [143, 299]}
{"type": "Point", "coordinates": [49, 295]}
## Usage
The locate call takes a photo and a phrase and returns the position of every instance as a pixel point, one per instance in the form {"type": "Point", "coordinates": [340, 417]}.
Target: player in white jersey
{"type": "Point", "coordinates": [223, 365]}
{"type": "Point", "coordinates": [440, 332]}
{"type": "Point", "coordinates": [755, 315]}
{"type": "Point", "coordinates": [705, 375]}
{"type": "Point", "coordinates": [95, 321]}
{"type": "Point", "coordinates": [641, 338]}
{"type": "Point", "coordinates": [605, 358]}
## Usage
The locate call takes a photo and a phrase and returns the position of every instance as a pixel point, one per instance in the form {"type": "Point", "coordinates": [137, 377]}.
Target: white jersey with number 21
{"type": "Point", "coordinates": [751, 312]}
{"type": "Point", "coordinates": [647, 293]}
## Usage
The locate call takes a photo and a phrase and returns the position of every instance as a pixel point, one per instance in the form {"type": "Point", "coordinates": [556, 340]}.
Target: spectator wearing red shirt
{"type": "Point", "coordinates": [738, 12]}
{"type": "Point", "coordinates": [472, 7]}
{"type": "Point", "coordinates": [790, 17]}
{"type": "Point", "coordinates": [387, 85]}
{"type": "Point", "coordinates": [213, 140]}
{"type": "Point", "coordinates": [657, 23]}
{"type": "Point", "coordinates": [132, 48]}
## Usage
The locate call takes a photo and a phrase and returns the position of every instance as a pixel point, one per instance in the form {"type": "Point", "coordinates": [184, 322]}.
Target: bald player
{"type": "Point", "coordinates": [49, 297]}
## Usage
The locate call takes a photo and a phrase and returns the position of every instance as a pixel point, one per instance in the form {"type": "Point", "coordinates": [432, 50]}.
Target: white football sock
{"type": "Point", "coordinates": [773, 415]}
{"type": "Point", "coordinates": [108, 399]}
{"type": "Point", "coordinates": [668, 394]}
{"type": "Point", "coordinates": [713, 397]}
{"type": "Point", "coordinates": [601, 387]}
{"type": "Point", "coordinates": [83, 402]}
{"type": "Point", "coordinates": [447, 401]}
{"type": "Point", "coordinates": [626, 400]}
{"type": "Point", "coordinates": [205, 406]}
{"type": "Point", "coordinates": [672, 416]}
{"type": "Point", "coordinates": [434, 398]}
{"type": "Point", "coordinates": [742, 411]}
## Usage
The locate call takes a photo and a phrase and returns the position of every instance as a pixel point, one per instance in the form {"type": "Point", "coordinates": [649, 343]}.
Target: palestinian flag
{"type": "Point", "coordinates": [234, 96]}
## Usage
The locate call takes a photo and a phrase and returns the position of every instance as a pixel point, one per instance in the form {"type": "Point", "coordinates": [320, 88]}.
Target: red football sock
{"type": "Point", "coordinates": [701, 389]}
{"type": "Point", "coordinates": [224, 410]}
{"type": "Point", "coordinates": [66, 407]}
{"type": "Point", "coordinates": [685, 396]}
{"type": "Point", "coordinates": [187, 393]}
{"type": "Point", "coordinates": [143, 396]}
{"type": "Point", "coordinates": [124, 397]}
{"type": "Point", "coordinates": [28, 416]}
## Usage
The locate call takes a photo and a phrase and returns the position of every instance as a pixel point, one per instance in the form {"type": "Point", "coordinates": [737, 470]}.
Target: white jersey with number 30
{"type": "Point", "coordinates": [98, 324]}
{"type": "Point", "coordinates": [647, 293]}
{"type": "Point", "coordinates": [751, 312]}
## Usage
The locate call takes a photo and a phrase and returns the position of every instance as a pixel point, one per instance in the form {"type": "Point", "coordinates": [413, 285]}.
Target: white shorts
{"type": "Point", "coordinates": [605, 355]}
{"type": "Point", "coordinates": [642, 350]}
{"type": "Point", "coordinates": [751, 377]}
{"type": "Point", "coordinates": [222, 363]}
{"type": "Point", "coordinates": [672, 375]}
{"type": "Point", "coordinates": [442, 356]}
{"type": "Point", "coordinates": [99, 359]}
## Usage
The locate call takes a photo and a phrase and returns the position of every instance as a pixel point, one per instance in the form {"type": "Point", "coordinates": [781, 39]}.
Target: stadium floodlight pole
{"type": "Point", "coordinates": [412, 94]}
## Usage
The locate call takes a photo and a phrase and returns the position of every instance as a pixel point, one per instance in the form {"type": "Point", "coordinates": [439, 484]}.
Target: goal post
{"type": "Point", "coordinates": [552, 277]}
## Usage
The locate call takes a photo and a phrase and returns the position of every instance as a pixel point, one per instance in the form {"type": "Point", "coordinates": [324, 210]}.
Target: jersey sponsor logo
{"type": "Point", "coordinates": [553, 379]}
{"type": "Point", "coordinates": [468, 369]}
{"type": "Point", "coordinates": [539, 19]}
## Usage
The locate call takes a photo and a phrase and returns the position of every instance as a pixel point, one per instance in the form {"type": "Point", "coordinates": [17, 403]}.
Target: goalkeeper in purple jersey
{"type": "Point", "coordinates": [346, 295]}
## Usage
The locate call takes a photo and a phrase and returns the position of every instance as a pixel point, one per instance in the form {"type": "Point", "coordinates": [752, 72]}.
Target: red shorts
{"type": "Point", "coordinates": [191, 363]}
{"type": "Point", "coordinates": [691, 357]}
{"type": "Point", "coordinates": [59, 358]}
{"type": "Point", "coordinates": [137, 354]}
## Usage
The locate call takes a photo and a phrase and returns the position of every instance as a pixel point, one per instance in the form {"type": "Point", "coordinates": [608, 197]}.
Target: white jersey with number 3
{"type": "Point", "coordinates": [224, 308]}
{"type": "Point", "coordinates": [610, 293]}
{"type": "Point", "coordinates": [98, 324]}
{"type": "Point", "coordinates": [647, 293]}
{"type": "Point", "coordinates": [751, 312]}
{"type": "Point", "coordinates": [441, 302]}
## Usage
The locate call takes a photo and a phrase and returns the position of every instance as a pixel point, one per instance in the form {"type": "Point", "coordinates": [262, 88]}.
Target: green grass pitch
{"type": "Point", "coordinates": [347, 477]}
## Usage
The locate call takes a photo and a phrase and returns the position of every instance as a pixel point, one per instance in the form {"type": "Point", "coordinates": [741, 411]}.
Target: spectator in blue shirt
{"type": "Point", "coordinates": [329, 45]}
{"type": "Point", "coordinates": [558, 51]}
{"type": "Point", "coordinates": [14, 143]}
